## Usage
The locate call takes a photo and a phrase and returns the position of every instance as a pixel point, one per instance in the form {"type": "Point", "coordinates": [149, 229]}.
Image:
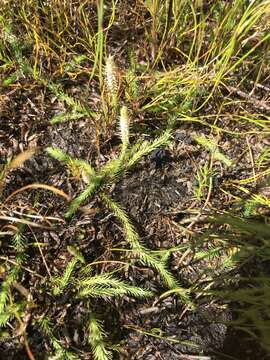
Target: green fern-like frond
{"type": "Point", "coordinates": [140, 251]}
{"type": "Point", "coordinates": [96, 340]}
{"type": "Point", "coordinates": [58, 91]}
{"type": "Point", "coordinates": [76, 253]}
{"type": "Point", "coordinates": [10, 278]}
{"type": "Point", "coordinates": [164, 255]}
{"type": "Point", "coordinates": [61, 353]}
{"type": "Point", "coordinates": [62, 156]}
{"type": "Point", "coordinates": [46, 325]}
{"type": "Point", "coordinates": [9, 313]}
{"type": "Point", "coordinates": [131, 234]}
{"type": "Point", "coordinates": [152, 261]}
{"type": "Point", "coordinates": [4, 293]}
{"type": "Point", "coordinates": [19, 242]}
{"type": "Point", "coordinates": [58, 154]}
{"type": "Point", "coordinates": [68, 160]}
{"type": "Point", "coordinates": [208, 254]}
{"type": "Point", "coordinates": [104, 292]}
{"type": "Point", "coordinates": [5, 317]}
{"type": "Point", "coordinates": [63, 117]}
{"type": "Point", "coordinates": [212, 146]}
{"type": "Point", "coordinates": [89, 191]}
{"type": "Point", "coordinates": [65, 280]}
{"type": "Point", "coordinates": [106, 285]}
{"type": "Point", "coordinates": [156, 263]}
{"type": "Point", "coordinates": [147, 148]}
{"type": "Point", "coordinates": [110, 171]}
{"type": "Point", "coordinates": [78, 110]}
{"type": "Point", "coordinates": [93, 178]}
{"type": "Point", "coordinates": [62, 282]}
{"type": "Point", "coordinates": [15, 47]}
{"type": "Point", "coordinates": [104, 178]}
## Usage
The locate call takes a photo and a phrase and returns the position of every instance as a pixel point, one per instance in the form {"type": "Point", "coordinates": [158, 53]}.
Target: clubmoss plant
{"type": "Point", "coordinates": [96, 340]}
{"type": "Point", "coordinates": [113, 169]}
{"type": "Point", "coordinates": [98, 182]}
{"type": "Point", "coordinates": [9, 309]}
